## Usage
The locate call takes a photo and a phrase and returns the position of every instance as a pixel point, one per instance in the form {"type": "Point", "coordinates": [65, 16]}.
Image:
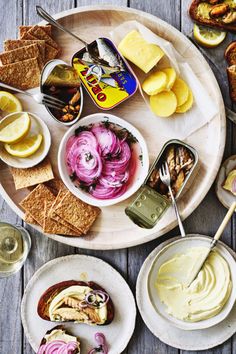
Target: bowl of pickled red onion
{"type": "Point", "coordinates": [103, 159]}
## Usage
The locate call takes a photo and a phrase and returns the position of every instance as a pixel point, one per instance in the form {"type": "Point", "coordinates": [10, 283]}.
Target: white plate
{"type": "Point", "coordinates": [177, 247]}
{"type": "Point", "coordinates": [81, 267]}
{"type": "Point", "coordinates": [139, 149]}
{"type": "Point", "coordinates": [37, 127]}
{"type": "Point", "coordinates": [186, 340]}
{"type": "Point", "coordinates": [224, 196]}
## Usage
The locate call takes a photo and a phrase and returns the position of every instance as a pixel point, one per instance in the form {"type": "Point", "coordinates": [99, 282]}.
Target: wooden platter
{"type": "Point", "coordinates": [113, 229]}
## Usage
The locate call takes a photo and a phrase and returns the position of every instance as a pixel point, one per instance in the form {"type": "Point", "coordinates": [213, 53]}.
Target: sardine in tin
{"type": "Point", "coordinates": [116, 84]}
{"type": "Point", "coordinates": [148, 206]}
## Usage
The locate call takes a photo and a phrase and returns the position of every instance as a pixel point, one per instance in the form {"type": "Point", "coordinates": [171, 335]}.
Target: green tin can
{"type": "Point", "coordinates": [149, 205]}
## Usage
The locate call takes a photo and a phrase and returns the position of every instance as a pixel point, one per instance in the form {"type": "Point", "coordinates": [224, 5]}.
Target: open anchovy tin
{"type": "Point", "coordinates": [105, 74]}
{"type": "Point", "coordinates": [152, 199]}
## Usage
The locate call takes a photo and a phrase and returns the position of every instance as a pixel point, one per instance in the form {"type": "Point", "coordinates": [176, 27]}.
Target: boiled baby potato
{"type": "Point", "coordinates": [163, 104]}
{"type": "Point", "coordinates": [171, 77]}
{"type": "Point", "coordinates": [155, 83]}
{"type": "Point", "coordinates": [181, 91]}
{"type": "Point", "coordinates": [187, 105]}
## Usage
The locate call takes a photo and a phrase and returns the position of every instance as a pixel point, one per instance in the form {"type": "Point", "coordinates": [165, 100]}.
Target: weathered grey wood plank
{"type": "Point", "coordinates": [201, 221]}
{"type": "Point", "coordinates": [43, 248]}
{"type": "Point", "coordinates": [116, 258]}
{"type": "Point", "coordinates": [10, 288]}
{"type": "Point", "coordinates": [144, 342]}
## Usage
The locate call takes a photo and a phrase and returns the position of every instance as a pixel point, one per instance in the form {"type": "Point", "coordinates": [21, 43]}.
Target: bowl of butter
{"type": "Point", "coordinates": [210, 297]}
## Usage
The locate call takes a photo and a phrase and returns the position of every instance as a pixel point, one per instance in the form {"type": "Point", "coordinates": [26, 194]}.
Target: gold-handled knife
{"type": "Point", "coordinates": [213, 243]}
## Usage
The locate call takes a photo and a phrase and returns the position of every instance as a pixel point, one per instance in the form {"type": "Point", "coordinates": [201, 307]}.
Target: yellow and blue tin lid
{"type": "Point", "coordinates": [106, 76]}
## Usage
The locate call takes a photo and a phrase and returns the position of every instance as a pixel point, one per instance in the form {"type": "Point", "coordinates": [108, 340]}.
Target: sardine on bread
{"type": "Point", "coordinates": [76, 301]}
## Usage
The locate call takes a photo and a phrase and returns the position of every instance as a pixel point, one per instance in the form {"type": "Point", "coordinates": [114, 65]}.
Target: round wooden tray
{"type": "Point", "coordinates": [113, 229]}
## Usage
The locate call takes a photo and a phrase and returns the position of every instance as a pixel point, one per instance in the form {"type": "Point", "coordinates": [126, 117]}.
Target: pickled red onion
{"type": "Point", "coordinates": [102, 344]}
{"type": "Point", "coordinates": [58, 347]}
{"type": "Point", "coordinates": [101, 161]}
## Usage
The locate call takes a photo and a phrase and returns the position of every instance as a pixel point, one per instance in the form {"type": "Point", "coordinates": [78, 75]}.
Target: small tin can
{"type": "Point", "coordinates": [107, 77]}
{"type": "Point", "coordinates": [149, 205]}
{"type": "Point", "coordinates": [62, 78]}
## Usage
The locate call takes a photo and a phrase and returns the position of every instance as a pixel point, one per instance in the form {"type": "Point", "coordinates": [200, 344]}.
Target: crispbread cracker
{"type": "Point", "coordinates": [23, 53]}
{"type": "Point", "coordinates": [39, 33]}
{"type": "Point", "coordinates": [55, 185]}
{"type": "Point", "coordinates": [76, 212]}
{"type": "Point", "coordinates": [34, 202]}
{"type": "Point", "coordinates": [29, 219]}
{"type": "Point", "coordinates": [24, 29]}
{"type": "Point", "coordinates": [23, 74]}
{"type": "Point", "coordinates": [57, 218]}
{"type": "Point", "coordinates": [51, 226]}
{"type": "Point", "coordinates": [11, 44]}
{"type": "Point", "coordinates": [50, 52]}
{"type": "Point", "coordinates": [26, 177]}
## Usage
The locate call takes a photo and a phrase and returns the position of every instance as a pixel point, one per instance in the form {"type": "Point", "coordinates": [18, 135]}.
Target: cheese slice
{"type": "Point", "coordinates": [136, 49]}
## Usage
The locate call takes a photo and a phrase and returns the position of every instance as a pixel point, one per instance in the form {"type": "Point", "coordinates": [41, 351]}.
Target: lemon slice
{"type": "Point", "coordinates": [208, 37]}
{"type": "Point", "coordinates": [25, 147]}
{"type": "Point", "coordinates": [16, 130]}
{"type": "Point", "coordinates": [9, 103]}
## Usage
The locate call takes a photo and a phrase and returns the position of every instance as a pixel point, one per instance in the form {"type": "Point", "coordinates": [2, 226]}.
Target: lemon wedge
{"type": "Point", "coordinates": [9, 103]}
{"type": "Point", "coordinates": [16, 130]}
{"type": "Point", "coordinates": [208, 37]}
{"type": "Point", "coordinates": [26, 147]}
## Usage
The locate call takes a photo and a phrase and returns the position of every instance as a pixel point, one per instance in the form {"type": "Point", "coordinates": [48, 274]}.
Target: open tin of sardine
{"type": "Point", "coordinates": [153, 199]}
{"type": "Point", "coordinates": [106, 76]}
{"type": "Point", "coordinates": [61, 81]}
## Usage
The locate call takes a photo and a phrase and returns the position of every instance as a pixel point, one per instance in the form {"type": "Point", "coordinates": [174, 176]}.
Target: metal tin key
{"type": "Point", "coordinates": [147, 208]}
{"type": "Point", "coordinates": [149, 205]}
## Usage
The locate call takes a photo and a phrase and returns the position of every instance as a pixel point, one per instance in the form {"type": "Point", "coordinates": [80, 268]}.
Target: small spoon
{"type": "Point", "coordinates": [213, 242]}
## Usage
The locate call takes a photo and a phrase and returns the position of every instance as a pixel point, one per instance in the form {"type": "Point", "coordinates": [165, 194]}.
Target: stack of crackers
{"type": "Point", "coordinates": [50, 204]}
{"type": "Point", "coordinates": [24, 58]}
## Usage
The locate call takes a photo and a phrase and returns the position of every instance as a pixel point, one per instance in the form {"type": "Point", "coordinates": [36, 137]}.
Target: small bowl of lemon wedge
{"type": "Point", "coordinates": [24, 140]}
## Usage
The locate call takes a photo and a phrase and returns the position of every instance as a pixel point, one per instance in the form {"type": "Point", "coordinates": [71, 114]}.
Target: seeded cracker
{"type": "Point", "coordinates": [51, 226]}
{"type": "Point", "coordinates": [77, 213]}
{"type": "Point", "coordinates": [23, 53]}
{"type": "Point", "coordinates": [55, 185]}
{"type": "Point", "coordinates": [24, 29]}
{"type": "Point", "coordinates": [39, 33]}
{"type": "Point", "coordinates": [23, 74]}
{"type": "Point", "coordinates": [26, 177]}
{"type": "Point", "coordinates": [11, 44]}
{"type": "Point", "coordinates": [57, 218]}
{"type": "Point", "coordinates": [50, 52]}
{"type": "Point", "coordinates": [29, 219]}
{"type": "Point", "coordinates": [34, 202]}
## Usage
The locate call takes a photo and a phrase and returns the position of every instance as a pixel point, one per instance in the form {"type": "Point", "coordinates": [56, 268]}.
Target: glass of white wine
{"type": "Point", "coordinates": [15, 244]}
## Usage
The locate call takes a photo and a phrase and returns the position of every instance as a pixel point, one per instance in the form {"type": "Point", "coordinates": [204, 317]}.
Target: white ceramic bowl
{"type": "Point", "coordinates": [37, 126]}
{"type": "Point", "coordinates": [141, 169]}
{"type": "Point", "coordinates": [177, 247]}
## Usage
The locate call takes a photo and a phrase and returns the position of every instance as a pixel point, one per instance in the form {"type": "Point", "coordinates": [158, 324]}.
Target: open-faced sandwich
{"type": "Point", "coordinates": [76, 301]}
{"type": "Point", "coordinates": [57, 340]}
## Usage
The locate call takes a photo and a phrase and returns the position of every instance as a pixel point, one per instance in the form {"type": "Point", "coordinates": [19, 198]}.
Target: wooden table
{"type": "Point", "coordinates": [204, 220]}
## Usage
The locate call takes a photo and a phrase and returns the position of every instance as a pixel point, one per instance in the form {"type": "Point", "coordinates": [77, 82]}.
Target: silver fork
{"type": "Point", "coordinates": [41, 98]}
{"type": "Point", "coordinates": [165, 178]}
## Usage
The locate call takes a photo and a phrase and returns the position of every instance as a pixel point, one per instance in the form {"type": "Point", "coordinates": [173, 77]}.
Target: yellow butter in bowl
{"type": "Point", "coordinates": [141, 53]}
{"type": "Point", "coordinates": [207, 294]}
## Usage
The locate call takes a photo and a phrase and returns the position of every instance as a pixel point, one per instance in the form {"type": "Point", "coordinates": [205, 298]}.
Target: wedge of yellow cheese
{"type": "Point", "coordinates": [143, 54]}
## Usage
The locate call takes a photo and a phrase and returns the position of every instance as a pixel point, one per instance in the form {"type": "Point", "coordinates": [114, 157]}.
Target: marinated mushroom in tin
{"type": "Point", "coordinates": [180, 161]}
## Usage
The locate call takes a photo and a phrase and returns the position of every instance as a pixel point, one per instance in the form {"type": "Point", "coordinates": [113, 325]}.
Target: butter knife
{"type": "Point", "coordinates": [213, 243]}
